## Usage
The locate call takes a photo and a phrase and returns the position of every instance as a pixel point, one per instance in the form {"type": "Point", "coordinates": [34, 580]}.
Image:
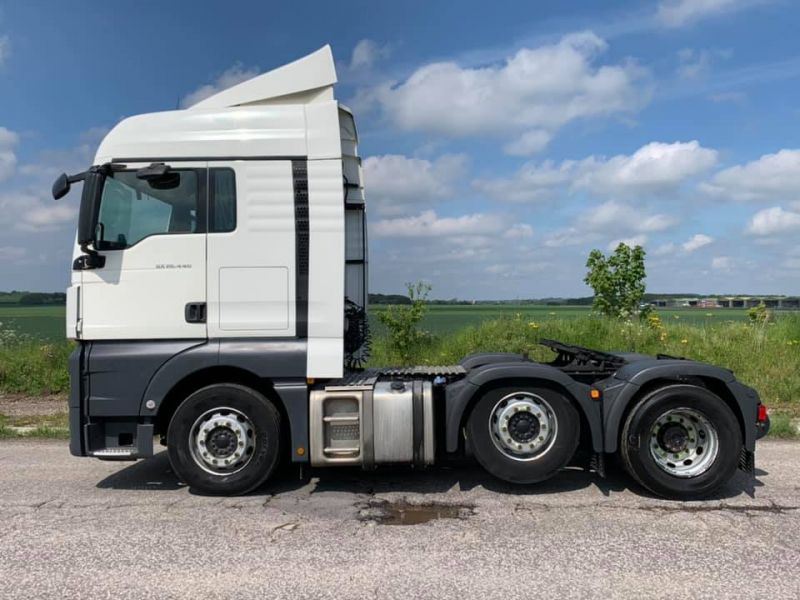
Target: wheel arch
{"type": "Point", "coordinates": [621, 401]}
{"type": "Point", "coordinates": [204, 377]}
{"type": "Point", "coordinates": [288, 396]}
{"type": "Point", "coordinates": [462, 396]}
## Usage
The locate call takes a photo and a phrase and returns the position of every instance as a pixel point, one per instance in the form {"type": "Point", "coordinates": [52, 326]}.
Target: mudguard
{"type": "Point", "coordinates": [620, 390]}
{"type": "Point", "coordinates": [461, 394]}
{"type": "Point", "coordinates": [283, 362]}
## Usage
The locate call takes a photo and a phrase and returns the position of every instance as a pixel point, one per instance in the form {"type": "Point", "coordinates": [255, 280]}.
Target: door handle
{"type": "Point", "coordinates": [195, 312]}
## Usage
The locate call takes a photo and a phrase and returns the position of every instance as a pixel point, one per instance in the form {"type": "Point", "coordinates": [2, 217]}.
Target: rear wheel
{"type": "Point", "coordinates": [224, 439]}
{"type": "Point", "coordinates": [523, 434]}
{"type": "Point", "coordinates": [682, 442]}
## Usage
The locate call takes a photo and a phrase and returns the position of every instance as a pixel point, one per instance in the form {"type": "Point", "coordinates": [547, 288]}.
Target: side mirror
{"type": "Point", "coordinates": [61, 186]}
{"type": "Point", "coordinates": [90, 206]}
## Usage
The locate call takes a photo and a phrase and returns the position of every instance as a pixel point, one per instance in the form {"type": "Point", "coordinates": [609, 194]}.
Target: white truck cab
{"type": "Point", "coordinates": [219, 302]}
{"type": "Point", "coordinates": [226, 244]}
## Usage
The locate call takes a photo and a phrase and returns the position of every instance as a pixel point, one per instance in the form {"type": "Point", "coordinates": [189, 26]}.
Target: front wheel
{"type": "Point", "coordinates": [224, 439]}
{"type": "Point", "coordinates": [681, 442]}
{"type": "Point", "coordinates": [523, 434]}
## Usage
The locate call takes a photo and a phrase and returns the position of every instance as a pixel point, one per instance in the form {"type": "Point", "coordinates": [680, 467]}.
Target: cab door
{"type": "Point", "coordinates": [153, 237]}
{"type": "Point", "coordinates": [251, 249]}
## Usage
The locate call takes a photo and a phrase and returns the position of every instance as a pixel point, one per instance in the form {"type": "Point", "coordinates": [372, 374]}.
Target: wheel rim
{"type": "Point", "coordinates": [523, 426]}
{"type": "Point", "coordinates": [222, 441]}
{"type": "Point", "coordinates": [683, 442]}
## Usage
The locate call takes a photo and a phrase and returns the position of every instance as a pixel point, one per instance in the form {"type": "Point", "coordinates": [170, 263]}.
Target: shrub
{"type": "Point", "coordinates": [405, 337]}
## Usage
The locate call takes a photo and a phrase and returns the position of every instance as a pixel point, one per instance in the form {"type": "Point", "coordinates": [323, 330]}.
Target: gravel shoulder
{"type": "Point", "coordinates": [79, 527]}
{"type": "Point", "coordinates": [16, 405]}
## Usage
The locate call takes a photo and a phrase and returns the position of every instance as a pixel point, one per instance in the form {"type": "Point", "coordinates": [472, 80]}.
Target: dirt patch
{"type": "Point", "coordinates": [13, 405]}
{"type": "Point", "coordinates": [384, 512]}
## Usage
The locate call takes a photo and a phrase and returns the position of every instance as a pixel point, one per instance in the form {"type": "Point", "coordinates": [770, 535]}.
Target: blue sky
{"type": "Point", "coordinates": [500, 144]}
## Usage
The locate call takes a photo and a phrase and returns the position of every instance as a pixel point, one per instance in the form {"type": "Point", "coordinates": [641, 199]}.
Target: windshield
{"type": "Point", "coordinates": [132, 209]}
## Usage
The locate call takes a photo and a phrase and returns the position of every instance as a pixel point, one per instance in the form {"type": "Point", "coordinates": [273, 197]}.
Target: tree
{"type": "Point", "coordinates": [618, 282]}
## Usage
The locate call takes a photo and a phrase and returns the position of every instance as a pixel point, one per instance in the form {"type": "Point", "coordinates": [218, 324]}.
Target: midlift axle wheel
{"type": "Point", "coordinates": [224, 439]}
{"type": "Point", "coordinates": [523, 434]}
{"type": "Point", "coordinates": [681, 441]}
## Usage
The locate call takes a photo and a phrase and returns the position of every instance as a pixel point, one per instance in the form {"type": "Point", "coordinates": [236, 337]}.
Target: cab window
{"type": "Point", "coordinates": [132, 209]}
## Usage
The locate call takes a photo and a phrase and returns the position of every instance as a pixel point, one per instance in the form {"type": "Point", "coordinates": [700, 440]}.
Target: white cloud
{"type": "Point", "coordinates": [25, 202]}
{"type": "Point", "coordinates": [428, 224]}
{"type": "Point", "coordinates": [519, 231]}
{"type": "Point", "coordinates": [395, 181]}
{"type": "Point", "coordinates": [769, 178]}
{"type": "Point", "coordinates": [230, 77]}
{"type": "Point", "coordinates": [774, 221]}
{"type": "Point", "coordinates": [696, 242]}
{"type": "Point", "coordinates": [676, 13]}
{"type": "Point", "coordinates": [536, 89]}
{"type": "Point", "coordinates": [8, 159]}
{"type": "Point", "coordinates": [366, 53]}
{"type": "Point", "coordinates": [528, 143]}
{"type": "Point", "coordinates": [627, 223]}
{"type": "Point", "coordinates": [722, 263]}
{"type": "Point", "coordinates": [563, 238]}
{"type": "Point", "coordinates": [5, 49]}
{"type": "Point", "coordinates": [654, 168]}
{"type": "Point", "coordinates": [633, 241]}
{"type": "Point", "coordinates": [615, 216]}
{"type": "Point", "coordinates": [696, 63]}
{"type": "Point", "coordinates": [25, 211]}
{"type": "Point", "coordinates": [531, 183]}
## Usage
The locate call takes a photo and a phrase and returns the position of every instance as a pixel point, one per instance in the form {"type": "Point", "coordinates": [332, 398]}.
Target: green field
{"type": "Point", "coordinates": [46, 323]}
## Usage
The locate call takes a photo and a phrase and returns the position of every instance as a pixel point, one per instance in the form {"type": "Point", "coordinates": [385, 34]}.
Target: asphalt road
{"type": "Point", "coordinates": [74, 527]}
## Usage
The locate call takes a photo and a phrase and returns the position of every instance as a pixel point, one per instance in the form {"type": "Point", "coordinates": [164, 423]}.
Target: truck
{"type": "Point", "coordinates": [218, 301]}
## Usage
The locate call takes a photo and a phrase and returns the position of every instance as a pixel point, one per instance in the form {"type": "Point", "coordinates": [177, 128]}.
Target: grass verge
{"type": "Point", "coordinates": [782, 426]}
{"type": "Point", "coordinates": [33, 368]}
{"type": "Point", "coordinates": [35, 426]}
{"type": "Point", "coordinates": [764, 356]}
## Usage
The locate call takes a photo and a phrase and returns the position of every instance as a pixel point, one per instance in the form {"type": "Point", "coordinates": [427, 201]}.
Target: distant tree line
{"type": "Point", "coordinates": [33, 298]}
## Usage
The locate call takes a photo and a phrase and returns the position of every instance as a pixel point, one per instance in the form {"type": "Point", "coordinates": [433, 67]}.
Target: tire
{"type": "Point", "coordinates": [711, 433]}
{"type": "Point", "coordinates": [523, 466]}
{"type": "Point", "coordinates": [241, 426]}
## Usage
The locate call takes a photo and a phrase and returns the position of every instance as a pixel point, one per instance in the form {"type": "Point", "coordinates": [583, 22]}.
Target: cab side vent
{"type": "Point", "coordinates": [300, 181]}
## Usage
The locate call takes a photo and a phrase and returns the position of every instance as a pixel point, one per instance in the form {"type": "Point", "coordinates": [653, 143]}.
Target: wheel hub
{"type": "Point", "coordinates": [523, 426]}
{"type": "Point", "coordinates": [222, 441]}
{"type": "Point", "coordinates": [673, 438]}
{"type": "Point", "coordinates": [684, 442]}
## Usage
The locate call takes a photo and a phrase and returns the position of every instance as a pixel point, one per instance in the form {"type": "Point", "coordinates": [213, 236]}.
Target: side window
{"type": "Point", "coordinates": [132, 209]}
{"type": "Point", "coordinates": [222, 209]}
